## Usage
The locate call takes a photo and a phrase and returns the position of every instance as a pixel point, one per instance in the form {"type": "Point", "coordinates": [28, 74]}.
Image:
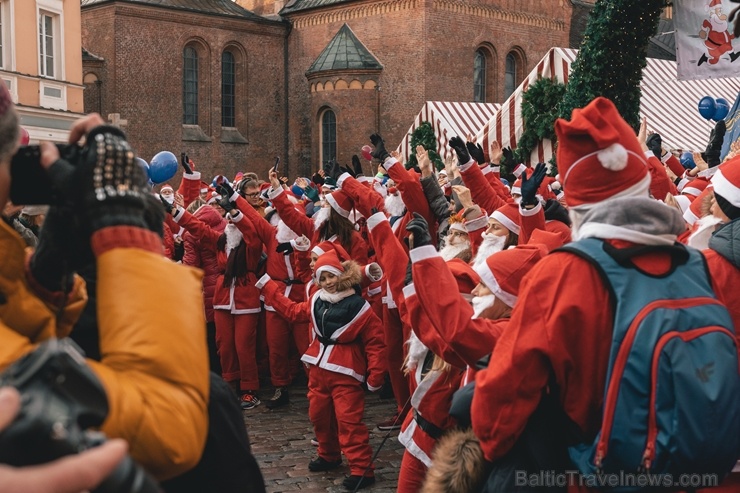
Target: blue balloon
{"type": "Point", "coordinates": [707, 107]}
{"type": "Point", "coordinates": [687, 160]}
{"type": "Point", "coordinates": [163, 167]}
{"type": "Point", "coordinates": [143, 164]}
{"type": "Point", "coordinates": [723, 108]}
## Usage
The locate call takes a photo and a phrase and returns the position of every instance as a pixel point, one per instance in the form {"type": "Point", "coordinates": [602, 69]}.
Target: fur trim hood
{"type": "Point", "coordinates": [351, 277]}
{"type": "Point", "coordinates": [458, 464]}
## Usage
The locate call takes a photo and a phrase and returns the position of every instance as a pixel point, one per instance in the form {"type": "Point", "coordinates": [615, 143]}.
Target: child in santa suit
{"type": "Point", "coordinates": [347, 344]}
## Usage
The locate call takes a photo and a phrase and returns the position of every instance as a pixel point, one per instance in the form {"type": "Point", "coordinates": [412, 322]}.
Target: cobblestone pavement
{"type": "Point", "coordinates": [281, 443]}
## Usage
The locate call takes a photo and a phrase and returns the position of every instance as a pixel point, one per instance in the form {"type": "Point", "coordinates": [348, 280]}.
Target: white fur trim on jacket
{"type": "Point", "coordinates": [233, 237]}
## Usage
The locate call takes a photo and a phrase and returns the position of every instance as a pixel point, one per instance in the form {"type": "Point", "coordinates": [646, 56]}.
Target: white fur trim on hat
{"type": "Point", "coordinates": [491, 283]}
{"type": "Point", "coordinates": [328, 268]}
{"type": "Point", "coordinates": [725, 188]}
{"type": "Point", "coordinates": [318, 251]}
{"type": "Point", "coordinates": [335, 205]}
{"type": "Point", "coordinates": [508, 223]}
{"type": "Point", "coordinates": [691, 191]}
{"type": "Point", "coordinates": [458, 227]}
{"type": "Point", "coordinates": [683, 202]}
{"type": "Point", "coordinates": [613, 158]}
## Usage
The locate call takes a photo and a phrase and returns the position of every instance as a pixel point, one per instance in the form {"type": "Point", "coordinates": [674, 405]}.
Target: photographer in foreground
{"type": "Point", "coordinates": [154, 366]}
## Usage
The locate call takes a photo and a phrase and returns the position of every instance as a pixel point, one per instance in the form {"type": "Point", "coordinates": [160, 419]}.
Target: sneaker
{"type": "Point", "coordinates": [354, 483]}
{"type": "Point", "coordinates": [321, 464]}
{"type": "Point", "coordinates": [249, 401]}
{"type": "Point", "coordinates": [393, 423]}
{"type": "Point", "coordinates": [279, 398]}
{"type": "Point", "coordinates": [314, 442]}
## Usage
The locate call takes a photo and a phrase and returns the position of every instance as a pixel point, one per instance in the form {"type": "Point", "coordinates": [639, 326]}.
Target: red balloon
{"type": "Point", "coordinates": [25, 137]}
{"type": "Point", "coordinates": [367, 152]}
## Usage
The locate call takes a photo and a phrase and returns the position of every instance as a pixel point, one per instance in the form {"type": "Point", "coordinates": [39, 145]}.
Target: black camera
{"type": "Point", "coordinates": [61, 399]}
{"type": "Point", "coordinates": [29, 181]}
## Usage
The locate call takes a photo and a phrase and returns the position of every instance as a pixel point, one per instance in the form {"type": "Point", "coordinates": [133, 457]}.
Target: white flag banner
{"type": "Point", "coordinates": [705, 46]}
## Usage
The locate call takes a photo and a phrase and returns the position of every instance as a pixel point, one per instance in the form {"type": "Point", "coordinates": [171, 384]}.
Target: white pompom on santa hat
{"type": "Point", "coordinates": [599, 156]}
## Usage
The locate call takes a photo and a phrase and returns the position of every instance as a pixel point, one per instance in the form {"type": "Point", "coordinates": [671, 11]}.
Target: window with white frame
{"type": "Point", "coordinates": [48, 38]}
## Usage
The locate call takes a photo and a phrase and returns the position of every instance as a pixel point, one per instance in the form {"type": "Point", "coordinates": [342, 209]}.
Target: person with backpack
{"type": "Point", "coordinates": [620, 330]}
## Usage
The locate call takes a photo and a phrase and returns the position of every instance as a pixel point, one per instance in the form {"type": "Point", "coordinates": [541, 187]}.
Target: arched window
{"type": "Point", "coordinates": [510, 76]}
{"type": "Point", "coordinates": [328, 136]}
{"type": "Point", "coordinates": [228, 90]}
{"type": "Point", "coordinates": [190, 86]}
{"type": "Point", "coordinates": [479, 77]}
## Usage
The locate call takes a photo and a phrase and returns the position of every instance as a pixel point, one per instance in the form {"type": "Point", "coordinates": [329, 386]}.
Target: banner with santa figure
{"type": "Point", "coordinates": [705, 46]}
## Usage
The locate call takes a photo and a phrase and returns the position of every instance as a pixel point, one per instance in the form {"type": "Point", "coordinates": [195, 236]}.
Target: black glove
{"type": "Point", "coordinates": [476, 152]}
{"type": "Point", "coordinates": [317, 179]}
{"type": "Point", "coordinates": [532, 184]}
{"type": "Point", "coordinates": [409, 276]}
{"type": "Point", "coordinates": [458, 146]}
{"type": "Point", "coordinates": [225, 190]}
{"type": "Point", "coordinates": [654, 142]}
{"type": "Point", "coordinates": [346, 169]}
{"type": "Point", "coordinates": [509, 156]}
{"type": "Point", "coordinates": [379, 152]}
{"type": "Point", "coordinates": [168, 208]}
{"type": "Point", "coordinates": [419, 227]}
{"type": "Point", "coordinates": [357, 166]}
{"type": "Point", "coordinates": [714, 147]}
{"type": "Point", "coordinates": [554, 211]}
{"type": "Point", "coordinates": [312, 194]}
{"type": "Point", "coordinates": [184, 161]}
{"type": "Point", "coordinates": [284, 248]}
{"type": "Point", "coordinates": [107, 186]}
{"type": "Point", "coordinates": [226, 204]}
{"type": "Point", "coordinates": [62, 249]}
{"type": "Point", "coordinates": [332, 170]}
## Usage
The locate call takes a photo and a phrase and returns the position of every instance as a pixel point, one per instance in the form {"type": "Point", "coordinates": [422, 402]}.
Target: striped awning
{"type": "Point", "coordinates": [449, 120]}
{"type": "Point", "coordinates": [670, 105]}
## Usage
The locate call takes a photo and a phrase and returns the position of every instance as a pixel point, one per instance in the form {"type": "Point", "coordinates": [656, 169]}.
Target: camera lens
{"type": "Point", "coordinates": [128, 477]}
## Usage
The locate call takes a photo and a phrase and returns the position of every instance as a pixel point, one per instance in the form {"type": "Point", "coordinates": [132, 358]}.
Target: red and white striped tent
{"type": "Point", "coordinates": [670, 105]}
{"type": "Point", "coordinates": [449, 120]}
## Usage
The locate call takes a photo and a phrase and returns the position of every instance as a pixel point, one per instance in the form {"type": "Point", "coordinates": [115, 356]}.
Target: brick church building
{"type": "Point", "coordinates": [235, 84]}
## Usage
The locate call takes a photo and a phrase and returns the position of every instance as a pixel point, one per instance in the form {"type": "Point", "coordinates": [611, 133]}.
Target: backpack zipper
{"type": "Point", "coordinates": [323, 325]}
{"type": "Point", "coordinates": [620, 362]}
{"type": "Point", "coordinates": [652, 436]}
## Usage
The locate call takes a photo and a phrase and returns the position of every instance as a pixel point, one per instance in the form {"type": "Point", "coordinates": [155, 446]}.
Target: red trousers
{"type": "Point", "coordinates": [236, 340]}
{"type": "Point", "coordinates": [279, 334]}
{"type": "Point", "coordinates": [412, 474]}
{"type": "Point", "coordinates": [395, 337]}
{"type": "Point", "coordinates": [336, 403]}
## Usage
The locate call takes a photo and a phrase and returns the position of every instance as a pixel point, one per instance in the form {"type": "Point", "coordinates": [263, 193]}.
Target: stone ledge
{"type": "Point", "coordinates": [231, 135]}
{"type": "Point", "coordinates": [194, 133]}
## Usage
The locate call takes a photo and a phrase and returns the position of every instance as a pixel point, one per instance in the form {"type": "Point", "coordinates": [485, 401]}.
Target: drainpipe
{"type": "Point", "coordinates": [286, 103]}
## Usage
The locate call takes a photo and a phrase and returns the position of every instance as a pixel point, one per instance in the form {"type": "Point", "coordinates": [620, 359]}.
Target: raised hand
{"type": "Point", "coordinates": [357, 166]}
{"type": "Point", "coordinates": [425, 164]}
{"type": "Point", "coordinates": [379, 152]}
{"type": "Point", "coordinates": [185, 163]}
{"type": "Point", "coordinates": [532, 184]}
{"type": "Point", "coordinates": [463, 195]}
{"type": "Point", "coordinates": [419, 231]}
{"type": "Point", "coordinates": [225, 190]}
{"type": "Point", "coordinates": [476, 152]}
{"type": "Point", "coordinates": [495, 153]}
{"type": "Point", "coordinates": [457, 144]}
{"type": "Point", "coordinates": [274, 181]}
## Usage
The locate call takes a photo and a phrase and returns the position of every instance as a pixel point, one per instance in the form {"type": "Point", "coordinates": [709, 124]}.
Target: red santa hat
{"type": "Point", "coordinates": [713, 4]}
{"type": "Point", "coordinates": [213, 198]}
{"type": "Point", "coordinates": [503, 271]}
{"type": "Point", "coordinates": [694, 188]}
{"type": "Point", "coordinates": [694, 212]}
{"type": "Point", "coordinates": [599, 156]}
{"type": "Point", "coordinates": [330, 246]}
{"type": "Point", "coordinates": [684, 202]}
{"type": "Point", "coordinates": [329, 262]}
{"type": "Point", "coordinates": [204, 187]}
{"type": "Point", "coordinates": [467, 279]}
{"type": "Point", "coordinates": [166, 188]}
{"type": "Point", "coordinates": [340, 202]}
{"type": "Point", "coordinates": [508, 216]}
{"type": "Point", "coordinates": [457, 222]}
{"type": "Point", "coordinates": [726, 181]}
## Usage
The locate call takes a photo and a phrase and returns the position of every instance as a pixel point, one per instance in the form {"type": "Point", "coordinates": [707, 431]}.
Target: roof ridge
{"type": "Point", "coordinates": [345, 51]}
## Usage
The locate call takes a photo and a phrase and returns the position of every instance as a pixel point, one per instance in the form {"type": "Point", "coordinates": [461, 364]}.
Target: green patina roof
{"type": "Point", "coordinates": [344, 52]}
{"type": "Point", "coordinates": [218, 7]}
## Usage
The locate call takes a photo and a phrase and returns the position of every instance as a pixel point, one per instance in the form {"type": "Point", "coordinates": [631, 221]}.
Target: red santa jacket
{"type": "Point", "coordinates": [347, 337]}
{"type": "Point", "coordinates": [481, 189]}
{"type": "Point", "coordinates": [532, 219]}
{"type": "Point", "coordinates": [304, 225]}
{"type": "Point", "coordinates": [283, 269]}
{"type": "Point", "coordinates": [203, 255]}
{"type": "Point", "coordinates": [189, 187]}
{"type": "Point", "coordinates": [431, 396]}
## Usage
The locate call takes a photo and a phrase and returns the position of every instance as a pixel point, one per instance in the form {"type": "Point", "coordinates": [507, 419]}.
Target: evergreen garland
{"type": "Point", "coordinates": [424, 136]}
{"type": "Point", "coordinates": [612, 56]}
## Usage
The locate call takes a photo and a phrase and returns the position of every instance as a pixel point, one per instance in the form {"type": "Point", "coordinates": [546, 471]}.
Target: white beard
{"type": "Point", "coordinates": [699, 239]}
{"type": "Point", "coordinates": [417, 352]}
{"type": "Point", "coordinates": [718, 24]}
{"type": "Point", "coordinates": [451, 251]}
{"type": "Point", "coordinates": [170, 199]}
{"type": "Point", "coordinates": [394, 205]}
{"type": "Point", "coordinates": [482, 303]}
{"type": "Point", "coordinates": [320, 217]}
{"type": "Point", "coordinates": [284, 234]}
{"type": "Point", "coordinates": [491, 244]}
{"type": "Point", "coordinates": [233, 237]}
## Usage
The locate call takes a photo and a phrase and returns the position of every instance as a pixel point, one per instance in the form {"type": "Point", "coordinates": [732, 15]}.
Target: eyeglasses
{"type": "Point", "coordinates": [252, 195]}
